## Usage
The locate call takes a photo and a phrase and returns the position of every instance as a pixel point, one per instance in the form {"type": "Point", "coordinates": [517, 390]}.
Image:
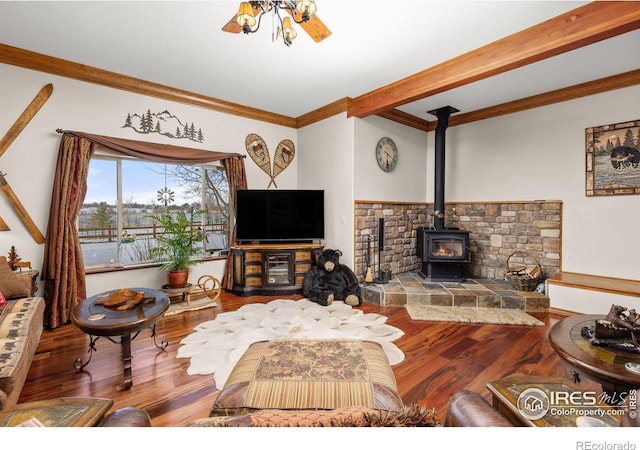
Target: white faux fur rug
{"type": "Point", "coordinates": [217, 345]}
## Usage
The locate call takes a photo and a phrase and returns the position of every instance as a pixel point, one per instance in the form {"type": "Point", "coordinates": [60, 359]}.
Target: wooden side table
{"type": "Point", "coordinates": [99, 321]}
{"type": "Point", "coordinates": [182, 295]}
{"type": "Point", "coordinates": [601, 364]}
{"type": "Point", "coordinates": [58, 412]}
{"type": "Point", "coordinates": [508, 395]}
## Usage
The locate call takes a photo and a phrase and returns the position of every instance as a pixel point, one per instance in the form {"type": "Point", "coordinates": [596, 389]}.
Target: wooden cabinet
{"type": "Point", "coordinates": [272, 269]}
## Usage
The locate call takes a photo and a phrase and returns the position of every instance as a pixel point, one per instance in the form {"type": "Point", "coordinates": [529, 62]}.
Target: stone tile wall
{"type": "Point", "coordinates": [496, 230]}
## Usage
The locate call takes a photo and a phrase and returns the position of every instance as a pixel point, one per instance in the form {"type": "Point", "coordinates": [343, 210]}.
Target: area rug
{"type": "Point", "coordinates": [216, 345]}
{"type": "Point", "coordinates": [498, 316]}
{"type": "Point", "coordinates": [194, 305]}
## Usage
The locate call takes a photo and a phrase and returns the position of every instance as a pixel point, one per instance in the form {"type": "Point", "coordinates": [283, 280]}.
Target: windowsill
{"type": "Point", "coordinates": [108, 269]}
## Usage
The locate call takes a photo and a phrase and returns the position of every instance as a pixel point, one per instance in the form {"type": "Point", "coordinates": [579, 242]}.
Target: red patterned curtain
{"type": "Point", "coordinates": [63, 267]}
{"type": "Point", "coordinates": [237, 180]}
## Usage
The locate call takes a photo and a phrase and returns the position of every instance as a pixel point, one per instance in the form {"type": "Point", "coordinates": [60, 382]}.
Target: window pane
{"type": "Point", "coordinates": [97, 221]}
{"type": "Point", "coordinates": [149, 188]}
{"type": "Point", "coordinates": [216, 209]}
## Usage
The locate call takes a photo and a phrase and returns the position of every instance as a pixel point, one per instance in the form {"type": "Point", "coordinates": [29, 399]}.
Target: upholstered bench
{"type": "Point", "coordinates": [20, 330]}
{"type": "Point", "coordinates": [21, 323]}
{"type": "Point", "coordinates": [299, 381]}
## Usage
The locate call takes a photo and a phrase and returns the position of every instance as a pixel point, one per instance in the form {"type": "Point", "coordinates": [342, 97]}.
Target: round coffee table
{"type": "Point", "coordinates": [601, 364]}
{"type": "Point", "coordinates": [99, 321]}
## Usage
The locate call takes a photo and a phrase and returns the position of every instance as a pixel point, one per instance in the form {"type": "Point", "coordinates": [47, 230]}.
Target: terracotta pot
{"type": "Point", "coordinates": [177, 278]}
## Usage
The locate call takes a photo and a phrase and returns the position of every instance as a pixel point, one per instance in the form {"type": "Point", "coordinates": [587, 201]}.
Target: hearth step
{"type": "Point", "coordinates": [410, 288]}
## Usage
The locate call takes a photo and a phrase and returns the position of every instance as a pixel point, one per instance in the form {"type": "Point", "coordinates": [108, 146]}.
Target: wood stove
{"type": "Point", "coordinates": [442, 251]}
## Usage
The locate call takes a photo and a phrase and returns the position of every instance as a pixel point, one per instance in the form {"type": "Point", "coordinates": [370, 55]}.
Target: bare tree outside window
{"type": "Point", "coordinates": [114, 231]}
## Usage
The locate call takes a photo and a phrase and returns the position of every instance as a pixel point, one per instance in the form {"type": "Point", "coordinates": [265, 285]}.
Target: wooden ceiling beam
{"type": "Point", "coordinates": [577, 28]}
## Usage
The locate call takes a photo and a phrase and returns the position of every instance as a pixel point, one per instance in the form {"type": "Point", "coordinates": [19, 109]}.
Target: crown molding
{"type": "Point", "coordinates": [56, 66]}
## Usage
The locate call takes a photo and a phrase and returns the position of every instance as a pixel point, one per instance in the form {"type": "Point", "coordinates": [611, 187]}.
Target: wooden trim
{"type": "Point", "coordinates": [55, 66]}
{"type": "Point", "coordinates": [324, 112]}
{"type": "Point", "coordinates": [606, 84]}
{"type": "Point", "coordinates": [611, 285]}
{"type": "Point", "coordinates": [408, 119]}
{"type": "Point", "coordinates": [562, 312]}
{"type": "Point", "coordinates": [577, 28]}
{"type": "Point", "coordinates": [610, 83]}
{"type": "Point", "coordinates": [488, 202]}
{"type": "Point", "coordinates": [283, 246]}
{"type": "Point", "coordinates": [385, 202]}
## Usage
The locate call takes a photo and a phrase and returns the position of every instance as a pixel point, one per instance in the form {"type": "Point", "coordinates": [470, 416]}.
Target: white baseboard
{"type": "Point", "coordinates": [587, 301]}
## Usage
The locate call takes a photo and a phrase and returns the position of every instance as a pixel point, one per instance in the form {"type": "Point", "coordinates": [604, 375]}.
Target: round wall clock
{"type": "Point", "coordinates": [387, 154]}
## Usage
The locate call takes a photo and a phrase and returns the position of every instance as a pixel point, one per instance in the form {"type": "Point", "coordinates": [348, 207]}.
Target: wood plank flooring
{"type": "Point", "coordinates": [440, 359]}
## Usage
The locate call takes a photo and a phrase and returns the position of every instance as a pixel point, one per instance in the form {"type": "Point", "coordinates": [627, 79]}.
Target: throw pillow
{"type": "Point", "coordinates": [12, 285]}
{"type": "Point", "coordinates": [315, 374]}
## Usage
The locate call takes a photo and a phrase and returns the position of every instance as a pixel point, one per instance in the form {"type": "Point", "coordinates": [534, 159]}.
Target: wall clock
{"type": "Point", "coordinates": [387, 154]}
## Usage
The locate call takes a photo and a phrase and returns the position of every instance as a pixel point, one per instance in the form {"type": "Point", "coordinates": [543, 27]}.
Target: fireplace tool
{"type": "Point", "coordinates": [368, 277]}
{"type": "Point", "coordinates": [380, 279]}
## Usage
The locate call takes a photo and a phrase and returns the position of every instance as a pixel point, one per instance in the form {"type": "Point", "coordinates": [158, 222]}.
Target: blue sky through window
{"type": "Point", "coordinates": [141, 182]}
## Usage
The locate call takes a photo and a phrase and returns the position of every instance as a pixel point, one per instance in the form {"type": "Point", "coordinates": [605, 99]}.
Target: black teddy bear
{"type": "Point", "coordinates": [329, 280]}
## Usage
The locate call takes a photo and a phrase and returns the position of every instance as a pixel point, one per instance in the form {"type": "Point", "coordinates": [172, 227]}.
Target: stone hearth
{"type": "Point", "coordinates": [411, 288]}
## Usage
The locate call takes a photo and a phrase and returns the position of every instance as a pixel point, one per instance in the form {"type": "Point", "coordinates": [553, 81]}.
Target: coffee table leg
{"type": "Point", "coordinates": [78, 364]}
{"type": "Point", "coordinates": [163, 342]}
{"type": "Point", "coordinates": [575, 376]}
{"type": "Point", "coordinates": [126, 360]}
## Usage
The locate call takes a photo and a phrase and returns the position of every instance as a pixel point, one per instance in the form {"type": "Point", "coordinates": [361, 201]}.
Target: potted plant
{"type": "Point", "coordinates": [179, 246]}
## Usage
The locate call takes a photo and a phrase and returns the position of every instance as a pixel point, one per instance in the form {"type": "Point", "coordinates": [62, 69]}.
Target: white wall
{"type": "Point", "coordinates": [407, 182]}
{"type": "Point", "coordinates": [536, 154]}
{"type": "Point", "coordinates": [30, 161]}
{"type": "Point", "coordinates": [327, 163]}
{"type": "Point", "coordinates": [340, 158]}
{"type": "Point", "coordinates": [540, 154]}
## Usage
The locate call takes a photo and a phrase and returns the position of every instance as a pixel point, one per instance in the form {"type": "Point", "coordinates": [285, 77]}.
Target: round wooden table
{"type": "Point", "coordinates": [601, 364]}
{"type": "Point", "coordinates": [100, 321]}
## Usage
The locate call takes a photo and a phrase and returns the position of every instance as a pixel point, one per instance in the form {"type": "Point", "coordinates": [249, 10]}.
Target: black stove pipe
{"type": "Point", "coordinates": [443, 122]}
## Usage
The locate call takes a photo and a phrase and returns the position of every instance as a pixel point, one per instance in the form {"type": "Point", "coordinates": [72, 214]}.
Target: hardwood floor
{"type": "Point", "coordinates": [440, 359]}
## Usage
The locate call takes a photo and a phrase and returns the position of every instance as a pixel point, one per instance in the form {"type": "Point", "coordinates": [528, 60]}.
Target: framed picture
{"type": "Point", "coordinates": [613, 159]}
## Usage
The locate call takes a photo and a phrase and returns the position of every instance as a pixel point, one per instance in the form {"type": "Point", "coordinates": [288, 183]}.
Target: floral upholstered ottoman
{"type": "Point", "coordinates": [309, 374]}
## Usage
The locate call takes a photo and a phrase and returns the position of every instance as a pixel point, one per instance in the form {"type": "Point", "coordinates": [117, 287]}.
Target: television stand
{"type": "Point", "coordinates": [272, 269]}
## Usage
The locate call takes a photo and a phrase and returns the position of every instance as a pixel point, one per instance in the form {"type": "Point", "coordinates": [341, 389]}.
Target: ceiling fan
{"type": "Point", "coordinates": [302, 12]}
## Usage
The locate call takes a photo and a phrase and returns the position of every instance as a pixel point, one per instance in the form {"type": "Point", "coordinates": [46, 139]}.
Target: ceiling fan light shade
{"type": "Point", "coordinates": [306, 8]}
{"type": "Point", "coordinates": [245, 16]}
{"type": "Point", "coordinates": [287, 30]}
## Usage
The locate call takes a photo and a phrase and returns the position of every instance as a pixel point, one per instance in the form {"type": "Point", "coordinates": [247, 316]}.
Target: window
{"type": "Point", "coordinates": [114, 224]}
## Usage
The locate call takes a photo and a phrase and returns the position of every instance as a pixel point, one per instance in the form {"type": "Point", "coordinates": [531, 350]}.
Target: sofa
{"type": "Point", "coordinates": [21, 325]}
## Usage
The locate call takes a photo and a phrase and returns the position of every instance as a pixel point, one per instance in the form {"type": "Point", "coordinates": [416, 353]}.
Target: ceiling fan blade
{"type": "Point", "coordinates": [232, 26]}
{"type": "Point", "coordinates": [314, 27]}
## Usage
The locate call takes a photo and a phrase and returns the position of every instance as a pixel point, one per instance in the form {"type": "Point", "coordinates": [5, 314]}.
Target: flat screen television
{"type": "Point", "coordinates": [279, 215]}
